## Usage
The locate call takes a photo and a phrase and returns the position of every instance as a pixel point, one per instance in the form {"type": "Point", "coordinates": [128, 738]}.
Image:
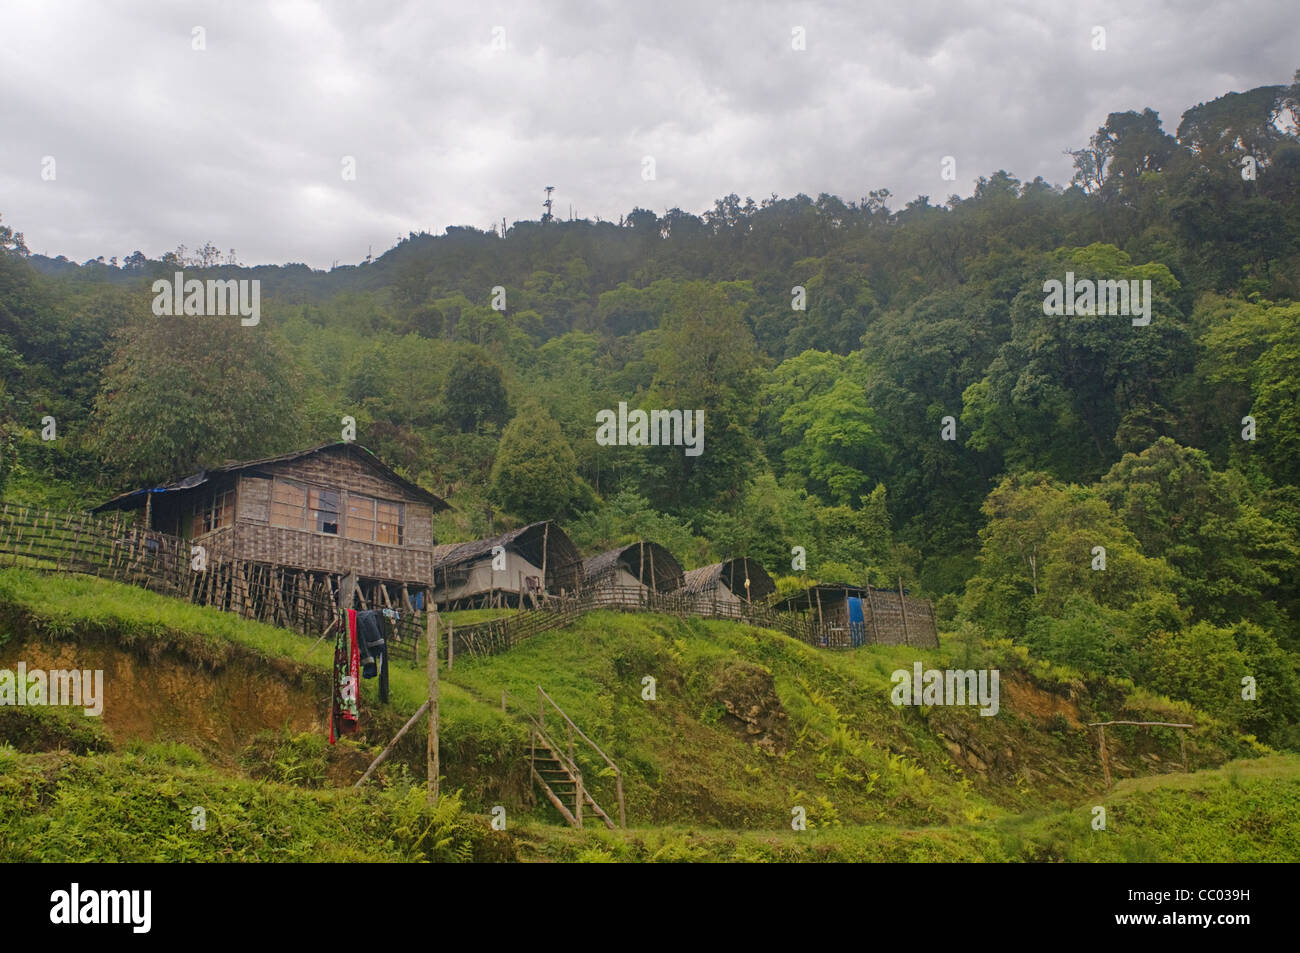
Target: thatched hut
{"type": "Point", "coordinates": [512, 569]}
{"type": "Point", "coordinates": [736, 582]}
{"type": "Point", "coordinates": [626, 574]}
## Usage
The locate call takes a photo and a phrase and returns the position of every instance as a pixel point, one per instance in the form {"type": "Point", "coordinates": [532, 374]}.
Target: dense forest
{"type": "Point", "coordinates": [881, 387]}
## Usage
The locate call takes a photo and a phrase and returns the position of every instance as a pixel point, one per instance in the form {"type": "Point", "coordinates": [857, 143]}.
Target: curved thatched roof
{"type": "Point", "coordinates": [563, 561]}
{"type": "Point", "coordinates": [732, 574]}
{"type": "Point", "coordinates": [646, 560]}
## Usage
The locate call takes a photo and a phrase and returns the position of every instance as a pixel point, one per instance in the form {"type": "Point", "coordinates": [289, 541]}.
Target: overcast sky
{"type": "Point", "coordinates": [156, 143]}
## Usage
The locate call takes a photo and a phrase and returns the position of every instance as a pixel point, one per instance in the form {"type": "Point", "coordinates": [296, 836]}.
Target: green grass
{"type": "Point", "coordinates": [140, 806]}
{"type": "Point", "coordinates": [669, 844]}
{"type": "Point", "coordinates": [1245, 811]}
{"type": "Point", "coordinates": [746, 725]}
{"type": "Point", "coordinates": [474, 616]}
{"type": "Point", "coordinates": [59, 605]}
{"type": "Point", "coordinates": [842, 751]}
{"type": "Point", "coordinates": [64, 602]}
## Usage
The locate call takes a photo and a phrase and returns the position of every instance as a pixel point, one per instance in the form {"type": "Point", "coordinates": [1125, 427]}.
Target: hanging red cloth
{"type": "Point", "coordinates": [344, 710]}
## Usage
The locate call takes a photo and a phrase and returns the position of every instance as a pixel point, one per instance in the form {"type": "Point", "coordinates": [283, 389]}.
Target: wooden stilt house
{"type": "Point", "coordinates": [296, 526]}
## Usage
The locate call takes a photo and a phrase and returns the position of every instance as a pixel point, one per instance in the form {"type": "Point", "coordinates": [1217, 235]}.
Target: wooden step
{"type": "Point", "coordinates": [554, 799]}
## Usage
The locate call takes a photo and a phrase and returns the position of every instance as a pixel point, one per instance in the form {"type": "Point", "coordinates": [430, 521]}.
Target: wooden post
{"type": "Point", "coordinates": [577, 795]}
{"type": "Point", "coordinates": [239, 582]}
{"type": "Point", "coordinates": [875, 629]}
{"type": "Point", "coordinates": [431, 656]}
{"type": "Point", "coordinates": [546, 539]}
{"type": "Point", "coordinates": [902, 605]}
{"type": "Point", "coordinates": [1105, 766]}
{"type": "Point", "coordinates": [451, 644]}
{"type": "Point", "coordinates": [1182, 745]}
{"type": "Point", "coordinates": [347, 586]}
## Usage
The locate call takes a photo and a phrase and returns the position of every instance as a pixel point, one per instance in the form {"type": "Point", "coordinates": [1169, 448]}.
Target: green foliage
{"type": "Point", "coordinates": [186, 393]}
{"type": "Point", "coordinates": [627, 517]}
{"type": "Point", "coordinates": [474, 394]}
{"type": "Point", "coordinates": [534, 476]}
{"type": "Point", "coordinates": [299, 760]}
{"type": "Point", "coordinates": [139, 807]}
{"type": "Point", "coordinates": [705, 360]}
{"type": "Point", "coordinates": [1208, 525]}
{"type": "Point", "coordinates": [877, 781]}
{"type": "Point", "coordinates": [1038, 549]}
{"type": "Point", "coordinates": [1246, 811]}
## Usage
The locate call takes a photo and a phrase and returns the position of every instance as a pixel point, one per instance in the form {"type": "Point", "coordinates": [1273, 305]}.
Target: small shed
{"type": "Point", "coordinates": [736, 582]}
{"type": "Point", "coordinates": [841, 615]}
{"type": "Point", "coordinates": [511, 569]}
{"type": "Point", "coordinates": [626, 574]}
{"type": "Point", "coordinates": [830, 607]}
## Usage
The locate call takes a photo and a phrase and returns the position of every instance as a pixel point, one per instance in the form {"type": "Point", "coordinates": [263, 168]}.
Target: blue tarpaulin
{"type": "Point", "coordinates": [857, 622]}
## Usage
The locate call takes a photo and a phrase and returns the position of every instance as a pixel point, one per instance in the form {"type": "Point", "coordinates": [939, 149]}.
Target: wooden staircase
{"type": "Point", "coordinates": [555, 771]}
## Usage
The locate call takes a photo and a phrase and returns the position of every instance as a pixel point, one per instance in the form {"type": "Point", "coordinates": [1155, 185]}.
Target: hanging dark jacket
{"type": "Point", "coordinates": [374, 649]}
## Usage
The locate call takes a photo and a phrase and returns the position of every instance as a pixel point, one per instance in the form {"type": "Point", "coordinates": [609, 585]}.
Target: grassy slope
{"type": "Point", "coordinates": [836, 745]}
{"type": "Point", "coordinates": [877, 781]}
{"type": "Point", "coordinates": [138, 805]}
{"type": "Point", "coordinates": [1245, 811]}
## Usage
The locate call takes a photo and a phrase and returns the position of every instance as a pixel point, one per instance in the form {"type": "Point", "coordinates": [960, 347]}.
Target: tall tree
{"type": "Point", "coordinates": [183, 393]}
{"type": "Point", "coordinates": [475, 394]}
{"type": "Point", "coordinates": [535, 476]}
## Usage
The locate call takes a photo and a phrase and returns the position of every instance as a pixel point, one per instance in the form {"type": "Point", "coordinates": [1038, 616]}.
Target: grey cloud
{"type": "Point", "coordinates": [240, 144]}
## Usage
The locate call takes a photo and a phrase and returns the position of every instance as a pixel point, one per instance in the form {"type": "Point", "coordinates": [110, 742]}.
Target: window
{"type": "Point", "coordinates": [288, 504]}
{"type": "Point", "coordinates": [213, 513]}
{"type": "Point", "coordinates": [374, 521]}
{"type": "Point", "coordinates": [318, 510]}
{"type": "Point", "coordinates": [388, 525]}
{"type": "Point", "coordinates": [361, 518]}
{"type": "Point", "coordinates": [323, 510]}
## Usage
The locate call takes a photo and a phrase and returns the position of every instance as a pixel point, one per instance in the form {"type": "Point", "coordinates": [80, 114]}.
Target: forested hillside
{"type": "Point", "coordinates": [834, 344]}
